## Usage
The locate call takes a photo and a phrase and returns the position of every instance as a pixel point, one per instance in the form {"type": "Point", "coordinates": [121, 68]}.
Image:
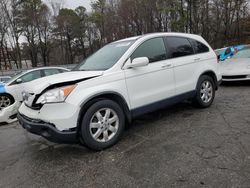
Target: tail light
{"type": "Point", "coordinates": [218, 57]}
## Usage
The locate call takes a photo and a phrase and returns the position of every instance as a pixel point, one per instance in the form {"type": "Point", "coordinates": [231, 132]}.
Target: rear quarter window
{"type": "Point", "coordinates": [199, 47]}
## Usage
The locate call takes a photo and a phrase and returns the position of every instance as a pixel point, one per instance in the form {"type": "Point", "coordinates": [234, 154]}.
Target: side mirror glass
{"type": "Point", "coordinates": [137, 62]}
{"type": "Point", "coordinates": [19, 81]}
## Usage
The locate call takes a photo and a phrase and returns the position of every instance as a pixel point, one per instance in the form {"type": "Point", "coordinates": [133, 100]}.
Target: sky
{"type": "Point", "coordinates": [75, 3]}
{"type": "Point", "coordinates": [72, 4]}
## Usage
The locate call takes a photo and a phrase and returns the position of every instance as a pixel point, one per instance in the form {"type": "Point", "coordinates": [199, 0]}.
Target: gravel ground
{"type": "Point", "coordinates": [176, 147]}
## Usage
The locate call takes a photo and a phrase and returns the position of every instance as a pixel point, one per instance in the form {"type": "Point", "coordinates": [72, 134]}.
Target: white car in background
{"type": "Point", "coordinates": [11, 91]}
{"type": "Point", "coordinates": [122, 80]}
{"type": "Point", "coordinates": [237, 68]}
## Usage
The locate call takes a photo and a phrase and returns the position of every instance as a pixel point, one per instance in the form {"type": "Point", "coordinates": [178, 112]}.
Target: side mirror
{"type": "Point", "coordinates": [19, 81]}
{"type": "Point", "coordinates": [137, 62]}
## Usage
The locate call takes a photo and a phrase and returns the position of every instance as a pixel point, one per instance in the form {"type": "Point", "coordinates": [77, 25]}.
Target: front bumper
{"type": "Point", "coordinates": [63, 116]}
{"type": "Point", "coordinates": [7, 115]}
{"type": "Point", "coordinates": [47, 130]}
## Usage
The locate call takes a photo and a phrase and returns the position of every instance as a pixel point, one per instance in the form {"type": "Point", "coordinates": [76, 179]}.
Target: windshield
{"type": "Point", "coordinates": [245, 53]}
{"type": "Point", "coordinates": [15, 77]}
{"type": "Point", "coordinates": [106, 57]}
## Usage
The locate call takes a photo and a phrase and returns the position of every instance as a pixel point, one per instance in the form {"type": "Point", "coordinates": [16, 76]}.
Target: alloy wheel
{"type": "Point", "coordinates": [206, 91]}
{"type": "Point", "coordinates": [104, 125]}
{"type": "Point", "coordinates": [4, 102]}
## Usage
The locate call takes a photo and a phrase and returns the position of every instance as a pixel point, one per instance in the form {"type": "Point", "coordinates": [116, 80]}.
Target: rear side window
{"type": "Point", "coordinates": [179, 47]}
{"type": "Point", "coordinates": [198, 46]}
{"type": "Point", "coordinates": [62, 70]}
{"type": "Point", "coordinates": [153, 49]}
{"type": "Point", "coordinates": [48, 72]}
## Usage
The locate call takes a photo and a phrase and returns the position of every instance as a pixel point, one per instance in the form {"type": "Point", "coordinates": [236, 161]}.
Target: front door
{"type": "Point", "coordinates": [154, 82]}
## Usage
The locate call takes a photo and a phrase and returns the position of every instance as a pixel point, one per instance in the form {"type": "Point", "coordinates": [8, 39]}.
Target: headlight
{"type": "Point", "coordinates": [55, 95]}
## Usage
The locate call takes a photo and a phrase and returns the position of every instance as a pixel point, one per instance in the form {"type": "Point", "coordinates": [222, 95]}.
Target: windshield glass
{"type": "Point", "coordinates": [15, 77]}
{"type": "Point", "coordinates": [106, 57]}
{"type": "Point", "coordinates": [245, 53]}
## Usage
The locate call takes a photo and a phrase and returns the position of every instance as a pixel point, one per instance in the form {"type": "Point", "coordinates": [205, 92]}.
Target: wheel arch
{"type": "Point", "coordinates": [10, 96]}
{"type": "Point", "coordinates": [212, 75]}
{"type": "Point", "coordinates": [114, 96]}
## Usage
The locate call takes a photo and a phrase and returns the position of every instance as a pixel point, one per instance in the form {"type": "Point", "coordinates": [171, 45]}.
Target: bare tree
{"type": "Point", "coordinates": [12, 14]}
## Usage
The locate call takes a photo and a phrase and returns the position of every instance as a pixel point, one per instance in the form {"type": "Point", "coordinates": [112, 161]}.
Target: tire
{"type": "Point", "coordinates": [5, 101]}
{"type": "Point", "coordinates": [205, 92]}
{"type": "Point", "coordinates": [102, 125]}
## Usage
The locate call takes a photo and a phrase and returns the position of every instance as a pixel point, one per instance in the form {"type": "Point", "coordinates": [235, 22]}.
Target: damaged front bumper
{"type": "Point", "coordinates": [47, 130]}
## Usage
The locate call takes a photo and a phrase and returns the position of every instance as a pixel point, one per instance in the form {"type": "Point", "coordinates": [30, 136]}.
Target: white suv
{"type": "Point", "coordinates": [122, 80]}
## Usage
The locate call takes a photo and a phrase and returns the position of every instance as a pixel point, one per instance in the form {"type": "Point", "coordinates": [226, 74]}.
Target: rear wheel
{"type": "Point", "coordinates": [102, 125]}
{"type": "Point", "coordinates": [5, 101]}
{"type": "Point", "coordinates": [205, 92]}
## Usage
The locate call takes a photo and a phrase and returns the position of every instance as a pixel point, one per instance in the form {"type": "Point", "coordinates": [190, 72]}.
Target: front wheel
{"type": "Point", "coordinates": [102, 125]}
{"type": "Point", "coordinates": [205, 92]}
{"type": "Point", "coordinates": [5, 101]}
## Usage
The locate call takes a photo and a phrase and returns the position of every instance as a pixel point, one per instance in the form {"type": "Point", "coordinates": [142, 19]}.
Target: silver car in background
{"type": "Point", "coordinates": [11, 91]}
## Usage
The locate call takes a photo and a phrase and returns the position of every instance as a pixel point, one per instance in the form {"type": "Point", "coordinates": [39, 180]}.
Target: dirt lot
{"type": "Point", "coordinates": [177, 147]}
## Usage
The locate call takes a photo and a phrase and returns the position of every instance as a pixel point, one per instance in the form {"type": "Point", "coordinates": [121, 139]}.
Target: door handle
{"type": "Point", "coordinates": [197, 59]}
{"type": "Point", "coordinates": [166, 65]}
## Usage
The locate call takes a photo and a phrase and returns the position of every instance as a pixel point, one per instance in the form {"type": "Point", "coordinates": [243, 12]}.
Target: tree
{"type": "Point", "coordinates": [81, 30]}
{"type": "Point", "coordinates": [67, 27]}
{"type": "Point", "coordinates": [11, 10]}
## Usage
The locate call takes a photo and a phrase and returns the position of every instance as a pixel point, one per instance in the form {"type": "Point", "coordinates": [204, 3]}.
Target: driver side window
{"type": "Point", "coordinates": [153, 49]}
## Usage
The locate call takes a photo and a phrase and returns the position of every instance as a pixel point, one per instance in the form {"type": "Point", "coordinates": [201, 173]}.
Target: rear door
{"type": "Point", "coordinates": [184, 61]}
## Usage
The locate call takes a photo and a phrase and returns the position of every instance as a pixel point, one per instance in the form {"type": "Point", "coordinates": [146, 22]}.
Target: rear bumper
{"type": "Point", "coordinates": [235, 78]}
{"type": "Point", "coordinates": [219, 82]}
{"type": "Point", "coordinates": [47, 130]}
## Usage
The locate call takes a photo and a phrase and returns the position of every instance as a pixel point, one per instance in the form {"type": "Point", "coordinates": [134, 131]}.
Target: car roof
{"type": "Point", "coordinates": [158, 34]}
{"type": "Point", "coordinates": [44, 68]}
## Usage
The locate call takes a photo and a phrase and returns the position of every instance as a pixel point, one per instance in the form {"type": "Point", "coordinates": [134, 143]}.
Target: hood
{"type": "Point", "coordinates": [37, 86]}
{"type": "Point", "coordinates": [236, 66]}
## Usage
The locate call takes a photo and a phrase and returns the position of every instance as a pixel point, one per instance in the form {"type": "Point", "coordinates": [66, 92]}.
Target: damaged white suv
{"type": "Point", "coordinates": [122, 80]}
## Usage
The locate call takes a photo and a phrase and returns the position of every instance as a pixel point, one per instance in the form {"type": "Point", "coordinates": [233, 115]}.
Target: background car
{"type": "Point", "coordinates": [11, 91]}
{"type": "Point", "coordinates": [4, 79]}
{"type": "Point", "coordinates": [219, 51]}
{"type": "Point", "coordinates": [229, 52]}
{"type": "Point", "coordinates": [238, 67]}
